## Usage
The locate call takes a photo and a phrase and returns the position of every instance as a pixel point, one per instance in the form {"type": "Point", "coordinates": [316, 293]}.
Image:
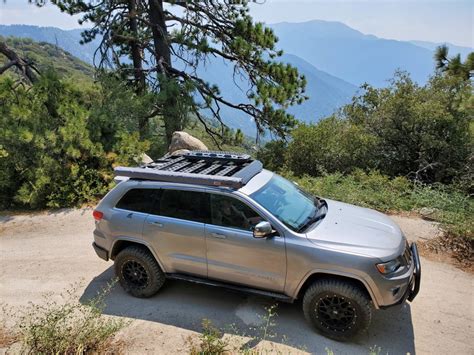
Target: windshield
{"type": "Point", "coordinates": [287, 202]}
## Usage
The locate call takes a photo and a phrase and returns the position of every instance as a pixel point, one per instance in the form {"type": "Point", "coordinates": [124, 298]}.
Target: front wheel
{"type": "Point", "coordinates": [337, 309]}
{"type": "Point", "coordinates": [138, 272]}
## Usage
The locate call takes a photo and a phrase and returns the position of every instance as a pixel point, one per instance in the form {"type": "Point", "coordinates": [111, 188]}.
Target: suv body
{"type": "Point", "coordinates": [220, 235]}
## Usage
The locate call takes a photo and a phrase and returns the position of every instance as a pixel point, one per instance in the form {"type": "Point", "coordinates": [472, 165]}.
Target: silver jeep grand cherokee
{"type": "Point", "coordinates": [221, 219]}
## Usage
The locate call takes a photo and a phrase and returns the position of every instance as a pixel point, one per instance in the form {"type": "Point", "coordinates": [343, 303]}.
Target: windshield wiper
{"type": "Point", "coordinates": [310, 221]}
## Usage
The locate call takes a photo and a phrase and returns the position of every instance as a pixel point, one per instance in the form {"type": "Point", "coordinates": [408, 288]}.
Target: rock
{"type": "Point", "coordinates": [180, 152]}
{"type": "Point", "coordinates": [182, 140]}
{"type": "Point", "coordinates": [428, 213]}
{"type": "Point", "coordinates": [145, 159]}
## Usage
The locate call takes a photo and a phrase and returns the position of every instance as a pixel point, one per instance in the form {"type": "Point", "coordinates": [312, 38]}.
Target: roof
{"type": "Point", "coordinates": [210, 168]}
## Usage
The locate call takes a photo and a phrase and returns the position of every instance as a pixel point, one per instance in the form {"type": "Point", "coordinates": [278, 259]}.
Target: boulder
{"type": "Point", "coordinates": [145, 159]}
{"type": "Point", "coordinates": [182, 140]}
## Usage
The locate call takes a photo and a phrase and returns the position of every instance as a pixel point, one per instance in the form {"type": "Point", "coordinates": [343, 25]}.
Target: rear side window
{"type": "Point", "coordinates": [139, 200]}
{"type": "Point", "coordinates": [187, 205]}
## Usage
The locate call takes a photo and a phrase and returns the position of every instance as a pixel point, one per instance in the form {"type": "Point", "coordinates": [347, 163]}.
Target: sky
{"type": "Point", "coordinates": [428, 20]}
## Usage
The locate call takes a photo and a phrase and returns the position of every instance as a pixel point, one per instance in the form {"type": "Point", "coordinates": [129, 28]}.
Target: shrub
{"type": "Point", "coordinates": [273, 155]}
{"type": "Point", "coordinates": [69, 327]}
{"type": "Point", "coordinates": [421, 131]}
{"type": "Point", "coordinates": [210, 341]}
{"type": "Point", "coordinates": [54, 152]}
{"type": "Point", "coordinates": [331, 145]}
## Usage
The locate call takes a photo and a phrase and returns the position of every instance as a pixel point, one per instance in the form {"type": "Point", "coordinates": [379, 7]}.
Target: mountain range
{"type": "Point", "coordinates": [335, 59]}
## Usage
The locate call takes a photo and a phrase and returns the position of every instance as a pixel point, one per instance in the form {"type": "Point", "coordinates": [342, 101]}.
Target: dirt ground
{"type": "Point", "coordinates": [46, 253]}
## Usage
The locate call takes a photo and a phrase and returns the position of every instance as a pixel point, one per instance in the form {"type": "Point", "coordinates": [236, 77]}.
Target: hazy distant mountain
{"type": "Point", "coordinates": [326, 93]}
{"type": "Point", "coordinates": [453, 49]}
{"type": "Point", "coordinates": [349, 54]}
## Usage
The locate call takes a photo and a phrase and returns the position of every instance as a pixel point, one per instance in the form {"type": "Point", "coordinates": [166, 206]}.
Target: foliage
{"type": "Point", "coordinates": [453, 66]}
{"type": "Point", "coordinates": [332, 145]}
{"type": "Point", "coordinates": [421, 132]}
{"type": "Point", "coordinates": [68, 327]}
{"type": "Point", "coordinates": [55, 153]}
{"type": "Point", "coordinates": [424, 133]}
{"type": "Point", "coordinates": [210, 341]}
{"type": "Point", "coordinates": [452, 208]}
{"type": "Point", "coordinates": [273, 154]}
{"type": "Point", "coordinates": [135, 42]}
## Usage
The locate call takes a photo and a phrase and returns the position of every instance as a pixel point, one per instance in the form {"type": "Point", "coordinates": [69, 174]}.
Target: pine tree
{"type": "Point", "coordinates": [158, 45]}
{"type": "Point", "coordinates": [454, 65]}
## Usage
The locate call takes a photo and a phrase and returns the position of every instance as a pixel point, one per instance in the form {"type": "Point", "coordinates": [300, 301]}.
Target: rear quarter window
{"type": "Point", "coordinates": [139, 200]}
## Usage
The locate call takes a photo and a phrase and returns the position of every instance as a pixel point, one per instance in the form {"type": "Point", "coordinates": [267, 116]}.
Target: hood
{"type": "Point", "coordinates": [358, 230]}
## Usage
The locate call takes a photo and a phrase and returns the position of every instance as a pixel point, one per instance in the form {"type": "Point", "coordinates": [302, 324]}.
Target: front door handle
{"type": "Point", "coordinates": [218, 236]}
{"type": "Point", "coordinates": [156, 224]}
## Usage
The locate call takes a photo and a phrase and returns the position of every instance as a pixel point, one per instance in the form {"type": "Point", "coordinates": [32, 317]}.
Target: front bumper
{"type": "Point", "coordinates": [415, 281]}
{"type": "Point", "coordinates": [414, 287]}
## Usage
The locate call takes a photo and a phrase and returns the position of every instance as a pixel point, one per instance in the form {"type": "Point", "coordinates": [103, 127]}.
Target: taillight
{"type": "Point", "coordinates": [97, 215]}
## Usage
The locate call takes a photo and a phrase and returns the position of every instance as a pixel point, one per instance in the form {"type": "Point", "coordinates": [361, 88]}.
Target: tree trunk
{"type": "Point", "coordinates": [163, 63]}
{"type": "Point", "coordinates": [135, 48]}
{"type": "Point", "coordinates": [136, 54]}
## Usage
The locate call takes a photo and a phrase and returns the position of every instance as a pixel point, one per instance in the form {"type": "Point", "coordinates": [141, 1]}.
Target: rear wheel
{"type": "Point", "coordinates": [138, 272]}
{"type": "Point", "coordinates": [337, 309]}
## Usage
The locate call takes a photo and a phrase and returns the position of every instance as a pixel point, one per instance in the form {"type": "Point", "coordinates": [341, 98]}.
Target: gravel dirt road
{"type": "Point", "coordinates": [46, 253]}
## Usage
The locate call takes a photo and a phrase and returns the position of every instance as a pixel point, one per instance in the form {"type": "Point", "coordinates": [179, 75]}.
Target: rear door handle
{"type": "Point", "coordinates": [218, 236]}
{"type": "Point", "coordinates": [156, 224]}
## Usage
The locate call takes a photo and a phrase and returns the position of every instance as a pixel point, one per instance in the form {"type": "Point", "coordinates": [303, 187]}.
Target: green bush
{"type": "Point", "coordinates": [54, 152]}
{"type": "Point", "coordinates": [331, 145]}
{"type": "Point", "coordinates": [421, 131]}
{"type": "Point", "coordinates": [68, 327]}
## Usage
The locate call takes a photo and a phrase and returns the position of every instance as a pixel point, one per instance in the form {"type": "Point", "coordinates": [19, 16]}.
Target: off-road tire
{"type": "Point", "coordinates": [137, 258]}
{"type": "Point", "coordinates": [354, 310]}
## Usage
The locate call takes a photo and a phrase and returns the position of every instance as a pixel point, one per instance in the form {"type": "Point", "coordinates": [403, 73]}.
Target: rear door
{"type": "Point", "coordinates": [176, 230]}
{"type": "Point", "coordinates": [234, 255]}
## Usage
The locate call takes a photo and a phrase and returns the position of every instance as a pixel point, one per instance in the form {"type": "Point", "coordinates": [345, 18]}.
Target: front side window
{"type": "Point", "coordinates": [139, 200]}
{"type": "Point", "coordinates": [187, 205]}
{"type": "Point", "coordinates": [229, 212]}
{"type": "Point", "coordinates": [287, 202]}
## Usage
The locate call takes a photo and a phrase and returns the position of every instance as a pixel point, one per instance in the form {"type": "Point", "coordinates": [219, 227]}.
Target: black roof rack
{"type": "Point", "coordinates": [198, 167]}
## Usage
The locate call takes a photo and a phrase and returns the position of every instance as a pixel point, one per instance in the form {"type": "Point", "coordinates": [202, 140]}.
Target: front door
{"type": "Point", "coordinates": [177, 233]}
{"type": "Point", "coordinates": [234, 255]}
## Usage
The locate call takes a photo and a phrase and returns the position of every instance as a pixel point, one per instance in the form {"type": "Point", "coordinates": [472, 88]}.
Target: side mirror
{"type": "Point", "coordinates": [262, 230]}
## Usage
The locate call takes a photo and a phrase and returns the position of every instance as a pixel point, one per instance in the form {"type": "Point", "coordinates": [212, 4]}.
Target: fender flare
{"type": "Point", "coordinates": [342, 274]}
{"type": "Point", "coordinates": [139, 242]}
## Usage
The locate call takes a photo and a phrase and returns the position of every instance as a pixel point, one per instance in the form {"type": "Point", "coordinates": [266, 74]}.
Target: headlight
{"type": "Point", "coordinates": [388, 267]}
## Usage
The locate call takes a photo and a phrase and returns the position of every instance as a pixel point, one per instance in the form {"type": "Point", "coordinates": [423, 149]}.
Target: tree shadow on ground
{"type": "Point", "coordinates": [185, 305]}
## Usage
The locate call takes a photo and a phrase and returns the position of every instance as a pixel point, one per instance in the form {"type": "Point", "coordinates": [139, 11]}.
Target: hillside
{"type": "Point", "coordinates": [67, 40]}
{"type": "Point", "coordinates": [45, 55]}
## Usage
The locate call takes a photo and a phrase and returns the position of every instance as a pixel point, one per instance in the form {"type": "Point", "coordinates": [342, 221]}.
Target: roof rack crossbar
{"type": "Point", "coordinates": [171, 162]}
{"type": "Point", "coordinates": [211, 168]}
{"type": "Point", "coordinates": [227, 170]}
{"type": "Point", "coordinates": [192, 168]}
